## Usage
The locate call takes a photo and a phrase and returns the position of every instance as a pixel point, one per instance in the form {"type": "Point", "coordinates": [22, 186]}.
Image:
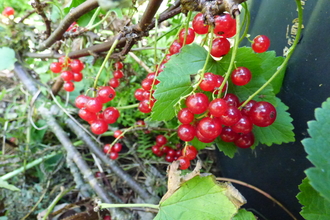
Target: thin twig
{"type": "Point", "coordinates": [259, 191]}
{"type": "Point", "coordinates": [39, 9]}
{"type": "Point", "coordinates": [139, 61]}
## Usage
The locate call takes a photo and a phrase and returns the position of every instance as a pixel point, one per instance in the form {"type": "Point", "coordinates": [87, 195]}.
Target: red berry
{"type": "Point", "coordinates": [231, 116]}
{"type": "Point", "coordinates": [260, 44]}
{"type": "Point", "coordinates": [197, 103]}
{"type": "Point", "coordinates": [107, 148]}
{"type": "Point", "coordinates": [185, 116]}
{"type": "Point", "coordinates": [67, 75]}
{"type": "Point", "coordinates": [209, 128]}
{"type": "Point", "coordinates": [209, 82]}
{"type": "Point", "coordinates": [113, 155]}
{"type": "Point", "coordinates": [146, 94]}
{"type": "Point", "coordinates": [218, 107]}
{"type": "Point", "coordinates": [189, 152]}
{"type": "Point", "coordinates": [94, 105]}
{"type": "Point", "coordinates": [99, 127]}
{"type": "Point", "coordinates": [190, 36]}
{"type": "Point", "coordinates": [203, 139]}
{"type": "Point", "coordinates": [119, 65]}
{"type": "Point", "coordinates": [244, 140]}
{"type": "Point", "coordinates": [138, 94]}
{"type": "Point", "coordinates": [231, 99]}
{"type": "Point", "coordinates": [68, 86]}
{"type": "Point", "coordinates": [246, 109]}
{"type": "Point", "coordinates": [107, 217]}
{"type": "Point", "coordinates": [223, 24]}
{"type": "Point", "coordinates": [146, 105]}
{"type": "Point", "coordinates": [161, 140]}
{"type": "Point", "coordinates": [140, 123]}
{"type": "Point", "coordinates": [110, 115]}
{"type": "Point", "coordinates": [241, 76]}
{"type": "Point", "coordinates": [198, 24]}
{"type": "Point", "coordinates": [244, 125]}
{"type": "Point", "coordinates": [114, 82]}
{"type": "Point", "coordinates": [77, 76]}
{"type": "Point", "coordinates": [184, 162]}
{"type": "Point", "coordinates": [8, 11]}
{"type": "Point", "coordinates": [172, 152]}
{"type": "Point", "coordinates": [165, 149]}
{"type": "Point", "coordinates": [228, 135]}
{"type": "Point", "coordinates": [220, 79]}
{"type": "Point", "coordinates": [146, 84]}
{"type": "Point", "coordinates": [72, 27]}
{"type": "Point", "coordinates": [175, 47]}
{"type": "Point", "coordinates": [98, 174]}
{"type": "Point", "coordinates": [87, 115]}
{"type": "Point", "coordinates": [186, 132]}
{"type": "Point", "coordinates": [156, 150]}
{"type": "Point", "coordinates": [169, 158]}
{"type": "Point", "coordinates": [118, 134]}
{"type": "Point", "coordinates": [117, 147]}
{"type": "Point", "coordinates": [65, 61]}
{"type": "Point", "coordinates": [220, 47]}
{"type": "Point", "coordinates": [262, 114]}
{"type": "Point", "coordinates": [55, 67]}
{"type": "Point", "coordinates": [76, 65]}
{"type": "Point", "coordinates": [106, 94]}
{"type": "Point", "coordinates": [118, 74]}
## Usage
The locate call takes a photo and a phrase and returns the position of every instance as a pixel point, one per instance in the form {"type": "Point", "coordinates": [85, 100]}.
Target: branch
{"type": "Point", "coordinates": [73, 15]}
{"type": "Point", "coordinates": [148, 15]}
{"type": "Point", "coordinates": [39, 9]}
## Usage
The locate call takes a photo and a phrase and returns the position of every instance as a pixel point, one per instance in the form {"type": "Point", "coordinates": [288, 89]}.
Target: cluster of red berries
{"type": "Point", "coordinates": [70, 71]}
{"type": "Point", "coordinates": [91, 109]}
{"type": "Point", "coordinates": [112, 150]}
{"type": "Point", "coordinates": [224, 118]}
{"type": "Point", "coordinates": [8, 11]}
{"type": "Point", "coordinates": [117, 75]}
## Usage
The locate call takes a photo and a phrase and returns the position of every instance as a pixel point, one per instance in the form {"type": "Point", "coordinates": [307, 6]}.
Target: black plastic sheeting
{"type": "Point", "coordinates": [279, 169]}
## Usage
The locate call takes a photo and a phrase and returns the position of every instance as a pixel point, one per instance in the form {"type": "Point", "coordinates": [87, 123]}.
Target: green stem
{"type": "Point", "coordinates": [91, 21]}
{"type": "Point", "coordinates": [144, 205]}
{"type": "Point", "coordinates": [100, 22]}
{"type": "Point", "coordinates": [187, 26]}
{"type": "Point", "coordinates": [233, 56]}
{"type": "Point", "coordinates": [155, 44]}
{"type": "Point", "coordinates": [247, 18]}
{"type": "Point", "coordinates": [128, 106]}
{"type": "Point", "coordinates": [28, 166]}
{"type": "Point", "coordinates": [285, 62]}
{"type": "Point", "coordinates": [105, 61]}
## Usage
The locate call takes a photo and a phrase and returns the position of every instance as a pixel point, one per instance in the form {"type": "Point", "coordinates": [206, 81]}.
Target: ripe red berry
{"type": "Point", "coordinates": [119, 65]}
{"type": "Point", "coordinates": [184, 162]}
{"type": "Point", "coordinates": [72, 27]}
{"type": "Point", "coordinates": [118, 134]}
{"type": "Point", "coordinates": [220, 47]}
{"type": "Point", "coordinates": [189, 152]}
{"type": "Point", "coordinates": [94, 105]}
{"type": "Point", "coordinates": [185, 116]}
{"type": "Point", "coordinates": [87, 115]}
{"type": "Point", "coordinates": [117, 147]}
{"type": "Point", "coordinates": [113, 155]}
{"type": "Point", "coordinates": [118, 74]}
{"type": "Point", "coordinates": [172, 152]}
{"type": "Point", "coordinates": [189, 38]}
{"type": "Point", "coordinates": [68, 86]}
{"type": "Point", "coordinates": [55, 67]}
{"type": "Point", "coordinates": [106, 94]}
{"type": "Point", "coordinates": [140, 123]}
{"type": "Point", "coordinates": [197, 103]}
{"type": "Point", "coordinates": [146, 105]}
{"type": "Point", "coordinates": [262, 114]}
{"type": "Point", "coordinates": [107, 217]}
{"type": "Point", "coordinates": [186, 132]}
{"type": "Point", "coordinates": [244, 125]}
{"type": "Point", "coordinates": [146, 84]}
{"type": "Point", "coordinates": [110, 115]}
{"type": "Point", "coordinates": [8, 11]}
{"type": "Point", "coordinates": [198, 24]}
{"type": "Point", "coordinates": [76, 65]}
{"type": "Point", "coordinates": [246, 108]}
{"type": "Point", "coordinates": [165, 149]}
{"type": "Point", "coordinates": [175, 47]}
{"type": "Point", "coordinates": [241, 76]}
{"type": "Point", "coordinates": [228, 135]}
{"type": "Point", "coordinates": [260, 44]}
{"type": "Point", "coordinates": [203, 139]}
{"type": "Point", "coordinates": [114, 82]}
{"type": "Point", "coordinates": [161, 140]}
{"type": "Point", "coordinates": [244, 140]}
{"type": "Point", "coordinates": [107, 148]}
{"type": "Point", "coordinates": [65, 61]}
{"type": "Point", "coordinates": [156, 150]}
{"type": "Point", "coordinates": [231, 99]}
{"type": "Point", "coordinates": [231, 116]}
{"type": "Point", "coordinates": [223, 24]}
{"type": "Point", "coordinates": [218, 107]}
{"type": "Point", "coordinates": [169, 158]}
{"type": "Point", "coordinates": [138, 94]}
{"type": "Point", "coordinates": [209, 128]}
{"type": "Point", "coordinates": [77, 76]}
{"type": "Point", "coordinates": [67, 75]}
{"type": "Point", "coordinates": [99, 127]}
{"type": "Point", "coordinates": [209, 82]}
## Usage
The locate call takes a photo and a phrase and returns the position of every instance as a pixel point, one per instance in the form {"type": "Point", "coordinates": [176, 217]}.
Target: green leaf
{"type": "Point", "coordinates": [229, 149]}
{"type": "Point", "coordinates": [175, 80]}
{"type": "Point", "coordinates": [199, 198]}
{"type": "Point", "coordinates": [281, 131]}
{"type": "Point", "coordinates": [244, 215]}
{"type": "Point", "coordinates": [317, 148]}
{"type": "Point", "coordinates": [7, 58]}
{"type": "Point", "coordinates": [198, 144]}
{"type": "Point", "coordinates": [269, 65]}
{"type": "Point", "coordinates": [315, 206]}
{"type": "Point", "coordinates": [6, 185]}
